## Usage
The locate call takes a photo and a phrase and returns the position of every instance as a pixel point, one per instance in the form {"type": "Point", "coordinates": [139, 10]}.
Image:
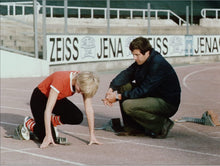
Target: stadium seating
{"type": "Point", "coordinates": [17, 31]}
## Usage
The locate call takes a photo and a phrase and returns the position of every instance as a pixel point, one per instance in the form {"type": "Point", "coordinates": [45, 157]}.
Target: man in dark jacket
{"type": "Point", "coordinates": [148, 92]}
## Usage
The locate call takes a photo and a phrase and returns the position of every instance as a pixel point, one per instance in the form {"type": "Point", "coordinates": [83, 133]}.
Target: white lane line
{"type": "Point", "coordinates": [115, 141]}
{"type": "Point", "coordinates": [14, 89]}
{"type": "Point", "coordinates": [142, 144]}
{"type": "Point", "coordinates": [13, 108]}
{"type": "Point", "coordinates": [28, 110]}
{"type": "Point", "coordinates": [197, 132]}
{"type": "Point", "coordinates": [14, 97]}
{"type": "Point", "coordinates": [192, 73]}
{"type": "Point", "coordinates": [76, 103]}
{"type": "Point", "coordinates": [43, 156]}
{"type": "Point", "coordinates": [25, 149]}
{"type": "Point", "coordinates": [176, 149]}
{"type": "Point", "coordinates": [184, 81]}
{"type": "Point", "coordinates": [7, 123]}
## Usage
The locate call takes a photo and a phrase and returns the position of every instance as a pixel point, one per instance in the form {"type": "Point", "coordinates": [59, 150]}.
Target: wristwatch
{"type": "Point", "coordinates": [117, 97]}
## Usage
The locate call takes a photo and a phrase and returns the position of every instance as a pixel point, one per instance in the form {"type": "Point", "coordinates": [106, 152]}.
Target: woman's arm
{"type": "Point", "coordinates": [48, 139]}
{"type": "Point", "coordinates": [90, 118]}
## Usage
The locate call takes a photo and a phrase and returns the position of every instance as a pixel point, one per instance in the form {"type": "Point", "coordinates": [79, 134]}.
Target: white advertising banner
{"type": "Point", "coordinates": [62, 49]}
{"type": "Point", "coordinates": [206, 45]}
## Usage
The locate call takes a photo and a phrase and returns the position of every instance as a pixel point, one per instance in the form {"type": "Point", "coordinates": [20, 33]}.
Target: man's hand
{"type": "Point", "coordinates": [106, 102]}
{"type": "Point", "coordinates": [110, 97]}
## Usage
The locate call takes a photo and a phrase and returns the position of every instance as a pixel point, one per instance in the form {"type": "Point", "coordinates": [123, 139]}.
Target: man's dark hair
{"type": "Point", "coordinates": [142, 44]}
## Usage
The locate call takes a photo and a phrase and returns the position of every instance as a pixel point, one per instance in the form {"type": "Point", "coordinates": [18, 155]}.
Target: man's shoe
{"type": "Point", "coordinates": [165, 130]}
{"type": "Point", "coordinates": [122, 133]}
{"type": "Point", "coordinates": [131, 132]}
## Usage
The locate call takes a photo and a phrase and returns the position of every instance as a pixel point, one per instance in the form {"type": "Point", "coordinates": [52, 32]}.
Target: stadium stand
{"type": "Point", "coordinates": [17, 25]}
{"type": "Point", "coordinates": [17, 33]}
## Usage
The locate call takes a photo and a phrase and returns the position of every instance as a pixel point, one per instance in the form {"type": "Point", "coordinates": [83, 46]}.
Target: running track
{"type": "Point", "coordinates": [187, 143]}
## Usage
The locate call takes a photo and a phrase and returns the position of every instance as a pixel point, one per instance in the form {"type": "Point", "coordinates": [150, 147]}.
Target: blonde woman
{"type": "Point", "coordinates": [50, 107]}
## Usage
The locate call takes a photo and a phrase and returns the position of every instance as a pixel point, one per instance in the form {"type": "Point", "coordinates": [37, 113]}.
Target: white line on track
{"type": "Point", "coordinates": [200, 133]}
{"type": "Point", "coordinates": [79, 103]}
{"type": "Point", "coordinates": [28, 110]}
{"type": "Point", "coordinates": [14, 97]}
{"type": "Point", "coordinates": [12, 108]}
{"type": "Point", "coordinates": [25, 149]}
{"type": "Point", "coordinates": [114, 141]}
{"type": "Point", "coordinates": [43, 156]}
{"type": "Point", "coordinates": [7, 123]}
{"type": "Point", "coordinates": [184, 81]}
{"type": "Point", "coordinates": [195, 72]}
{"type": "Point", "coordinates": [14, 89]}
{"type": "Point", "coordinates": [149, 145]}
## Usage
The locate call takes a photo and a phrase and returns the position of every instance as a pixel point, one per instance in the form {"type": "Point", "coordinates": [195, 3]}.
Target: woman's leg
{"type": "Point", "coordinates": [69, 113]}
{"type": "Point", "coordinates": [38, 104]}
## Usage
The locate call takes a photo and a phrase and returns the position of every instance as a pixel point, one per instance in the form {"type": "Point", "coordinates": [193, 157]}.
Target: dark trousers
{"type": "Point", "coordinates": [149, 113]}
{"type": "Point", "coordinates": [69, 113]}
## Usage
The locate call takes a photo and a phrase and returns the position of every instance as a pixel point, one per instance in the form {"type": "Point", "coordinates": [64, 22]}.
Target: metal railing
{"type": "Point", "coordinates": [132, 13]}
{"type": "Point", "coordinates": [22, 5]}
{"type": "Point", "coordinates": [204, 12]}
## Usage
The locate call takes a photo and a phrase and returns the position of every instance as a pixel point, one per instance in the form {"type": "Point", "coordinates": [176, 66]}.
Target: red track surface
{"type": "Point", "coordinates": [187, 143]}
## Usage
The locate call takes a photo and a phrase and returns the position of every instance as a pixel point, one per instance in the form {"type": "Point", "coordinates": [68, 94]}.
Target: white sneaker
{"type": "Point", "coordinates": [25, 133]}
{"type": "Point", "coordinates": [56, 131]}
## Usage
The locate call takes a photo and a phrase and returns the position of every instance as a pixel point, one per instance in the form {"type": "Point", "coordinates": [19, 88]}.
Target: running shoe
{"type": "Point", "coordinates": [25, 133]}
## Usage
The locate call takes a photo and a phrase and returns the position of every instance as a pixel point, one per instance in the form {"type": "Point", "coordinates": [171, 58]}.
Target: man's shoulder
{"type": "Point", "coordinates": [157, 57]}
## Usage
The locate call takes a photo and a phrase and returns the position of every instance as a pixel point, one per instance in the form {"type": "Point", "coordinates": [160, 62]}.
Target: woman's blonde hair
{"type": "Point", "coordinates": [88, 83]}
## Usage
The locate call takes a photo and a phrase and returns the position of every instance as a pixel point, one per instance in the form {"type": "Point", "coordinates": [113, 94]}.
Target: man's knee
{"type": "Point", "coordinates": [125, 87]}
{"type": "Point", "coordinates": [128, 107]}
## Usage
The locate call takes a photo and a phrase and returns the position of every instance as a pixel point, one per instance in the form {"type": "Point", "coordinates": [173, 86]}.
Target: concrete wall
{"type": "Point", "coordinates": [208, 22]}
{"type": "Point", "coordinates": [17, 65]}
{"type": "Point", "coordinates": [122, 64]}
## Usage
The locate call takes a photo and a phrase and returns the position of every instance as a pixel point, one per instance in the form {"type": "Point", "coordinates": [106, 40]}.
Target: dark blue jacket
{"type": "Point", "coordinates": [155, 78]}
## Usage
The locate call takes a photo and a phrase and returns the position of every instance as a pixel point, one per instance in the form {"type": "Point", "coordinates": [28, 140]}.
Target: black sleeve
{"type": "Point", "coordinates": [151, 81]}
{"type": "Point", "coordinates": [123, 77]}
